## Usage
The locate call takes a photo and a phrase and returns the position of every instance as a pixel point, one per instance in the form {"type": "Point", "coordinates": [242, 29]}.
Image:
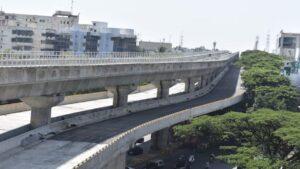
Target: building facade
{"type": "Point", "coordinates": [61, 32]}
{"type": "Point", "coordinates": [288, 45]}
{"type": "Point", "coordinates": [154, 46]}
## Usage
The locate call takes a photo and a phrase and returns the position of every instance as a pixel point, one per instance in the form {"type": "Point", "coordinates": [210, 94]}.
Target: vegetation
{"type": "Point", "coordinates": [266, 86]}
{"type": "Point", "coordinates": [268, 135]}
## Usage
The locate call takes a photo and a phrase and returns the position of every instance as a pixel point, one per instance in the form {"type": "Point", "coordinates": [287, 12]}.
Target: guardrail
{"type": "Point", "coordinates": [32, 59]}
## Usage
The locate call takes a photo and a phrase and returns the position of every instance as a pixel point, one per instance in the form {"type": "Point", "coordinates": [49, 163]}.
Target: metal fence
{"type": "Point", "coordinates": [32, 59]}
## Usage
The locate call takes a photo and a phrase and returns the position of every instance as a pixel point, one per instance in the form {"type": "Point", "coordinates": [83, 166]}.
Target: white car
{"type": "Point", "coordinates": [129, 168]}
{"type": "Point", "coordinates": [191, 158]}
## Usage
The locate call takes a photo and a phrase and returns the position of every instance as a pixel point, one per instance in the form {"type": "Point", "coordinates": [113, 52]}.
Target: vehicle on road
{"type": "Point", "coordinates": [129, 168]}
{"type": "Point", "coordinates": [137, 150]}
{"type": "Point", "coordinates": [191, 158]}
{"type": "Point", "coordinates": [156, 164]}
{"type": "Point", "coordinates": [182, 163]}
{"type": "Point", "coordinates": [140, 141]}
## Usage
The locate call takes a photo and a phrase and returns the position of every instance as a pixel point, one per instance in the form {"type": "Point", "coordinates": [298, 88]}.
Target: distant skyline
{"type": "Point", "coordinates": [233, 24]}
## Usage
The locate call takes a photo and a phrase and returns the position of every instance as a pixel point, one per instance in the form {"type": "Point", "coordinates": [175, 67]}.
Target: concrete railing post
{"type": "Point", "coordinates": [41, 108]}
{"type": "Point", "coordinates": [163, 88]}
{"type": "Point", "coordinates": [121, 94]}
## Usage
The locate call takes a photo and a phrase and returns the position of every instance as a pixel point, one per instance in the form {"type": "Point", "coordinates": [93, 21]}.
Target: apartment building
{"type": "Point", "coordinates": [288, 45]}
{"type": "Point", "coordinates": [154, 46]}
{"type": "Point", "coordinates": [61, 32]}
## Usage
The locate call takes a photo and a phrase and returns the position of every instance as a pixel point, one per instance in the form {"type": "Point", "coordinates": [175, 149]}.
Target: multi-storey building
{"type": "Point", "coordinates": [61, 32]}
{"type": "Point", "coordinates": [288, 45]}
{"type": "Point", "coordinates": [154, 46]}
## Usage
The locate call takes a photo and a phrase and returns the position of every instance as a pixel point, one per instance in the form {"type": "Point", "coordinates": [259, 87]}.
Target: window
{"type": "Point", "coordinates": [289, 42]}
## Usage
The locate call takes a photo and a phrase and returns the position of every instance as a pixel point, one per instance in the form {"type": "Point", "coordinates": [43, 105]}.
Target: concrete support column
{"type": "Point", "coordinates": [212, 77]}
{"type": "Point", "coordinates": [204, 81]}
{"type": "Point", "coordinates": [163, 88]}
{"type": "Point", "coordinates": [160, 139]}
{"type": "Point", "coordinates": [121, 94]}
{"type": "Point", "coordinates": [41, 108]}
{"type": "Point", "coordinates": [118, 162]}
{"type": "Point", "coordinates": [190, 85]}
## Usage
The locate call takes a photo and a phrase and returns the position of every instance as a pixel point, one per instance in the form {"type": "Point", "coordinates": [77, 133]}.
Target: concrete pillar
{"type": "Point", "coordinates": [190, 85]}
{"type": "Point", "coordinates": [41, 108]}
{"type": "Point", "coordinates": [118, 162]}
{"type": "Point", "coordinates": [163, 88]}
{"type": "Point", "coordinates": [204, 81]}
{"type": "Point", "coordinates": [212, 77]}
{"type": "Point", "coordinates": [160, 139]}
{"type": "Point", "coordinates": [121, 94]}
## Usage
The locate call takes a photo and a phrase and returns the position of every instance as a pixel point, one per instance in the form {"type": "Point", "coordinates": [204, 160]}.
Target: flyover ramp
{"type": "Point", "coordinates": [63, 148]}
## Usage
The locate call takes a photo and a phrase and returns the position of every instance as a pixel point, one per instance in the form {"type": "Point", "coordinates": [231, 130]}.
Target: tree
{"type": "Point", "coordinates": [251, 158]}
{"type": "Point", "coordinates": [274, 134]}
{"type": "Point", "coordinates": [276, 98]}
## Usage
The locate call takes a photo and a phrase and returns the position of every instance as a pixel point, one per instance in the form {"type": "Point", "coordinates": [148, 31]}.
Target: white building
{"type": "Point", "coordinates": [60, 32]}
{"type": "Point", "coordinates": [288, 45]}
{"type": "Point", "coordinates": [154, 46]}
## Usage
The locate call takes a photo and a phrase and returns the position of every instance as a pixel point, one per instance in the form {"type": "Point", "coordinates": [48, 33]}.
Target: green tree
{"type": "Point", "coordinates": [276, 98]}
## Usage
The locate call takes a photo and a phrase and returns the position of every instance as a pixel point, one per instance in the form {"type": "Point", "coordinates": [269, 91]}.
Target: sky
{"type": "Point", "coordinates": [233, 24]}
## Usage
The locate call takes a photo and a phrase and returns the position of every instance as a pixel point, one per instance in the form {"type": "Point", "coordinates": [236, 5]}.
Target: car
{"type": "Point", "coordinates": [191, 158]}
{"type": "Point", "coordinates": [137, 150]}
{"type": "Point", "coordinates": [140, 141]}
{"type": "Point", "coordinates": [128, 167]}
{"type": "Point", "coordinates": [182, 163]}
{"type": "Point", "coordinates": [156, 164]}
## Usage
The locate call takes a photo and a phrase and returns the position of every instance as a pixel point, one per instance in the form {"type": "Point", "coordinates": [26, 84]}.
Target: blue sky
{"type": "Point", "coordinates": [234, 24]}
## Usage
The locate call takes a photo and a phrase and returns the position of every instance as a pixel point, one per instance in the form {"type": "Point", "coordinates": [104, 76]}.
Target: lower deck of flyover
{"type": "Point", "coordinates": [56, 151]}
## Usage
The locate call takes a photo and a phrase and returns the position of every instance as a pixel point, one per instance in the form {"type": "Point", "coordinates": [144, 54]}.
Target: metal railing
{"type": "Point", "coordinates": [33, 59]}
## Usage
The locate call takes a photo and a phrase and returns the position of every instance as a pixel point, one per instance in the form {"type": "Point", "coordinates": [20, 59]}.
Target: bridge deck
{"type": "Point", "coordinates": [56, 151]}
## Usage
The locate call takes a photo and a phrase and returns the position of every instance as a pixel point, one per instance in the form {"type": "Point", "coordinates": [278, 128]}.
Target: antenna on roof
{"type": "Point", "coordinates": [181, 40]}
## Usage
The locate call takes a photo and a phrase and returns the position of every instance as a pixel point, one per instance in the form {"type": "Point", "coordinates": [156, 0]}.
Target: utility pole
{"type": "Point", "coordinates": [267, 48]}
{"type": "Point", "coordinates": [181, 40]}
{"type": "Point", "coordinates": [214, 46]}
{"type": "Point", "coordinates": [72, 5]}
{"type": "Point", "coordinates": [256, 43]}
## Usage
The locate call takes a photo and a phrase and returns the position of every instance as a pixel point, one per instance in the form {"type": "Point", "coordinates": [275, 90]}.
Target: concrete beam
{"type": "Point", "coordinates": [41, 108]}
{"type": "Point", "coordinates": [160, 139]}
{"type": "Point", "coordinates": [163, 88]}
{"type": "Point", "coordinates": [121, 93]}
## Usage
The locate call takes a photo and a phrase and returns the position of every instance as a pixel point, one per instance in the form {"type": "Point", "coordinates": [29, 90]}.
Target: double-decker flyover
{"type": "Point", "coordinates": [101, 143]}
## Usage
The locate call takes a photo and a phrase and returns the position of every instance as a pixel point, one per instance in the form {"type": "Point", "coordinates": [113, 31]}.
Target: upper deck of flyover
{"type": "Point", "coordinates": [58, 150]}
{"type": "Point", "coordinates": [35, 74]}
